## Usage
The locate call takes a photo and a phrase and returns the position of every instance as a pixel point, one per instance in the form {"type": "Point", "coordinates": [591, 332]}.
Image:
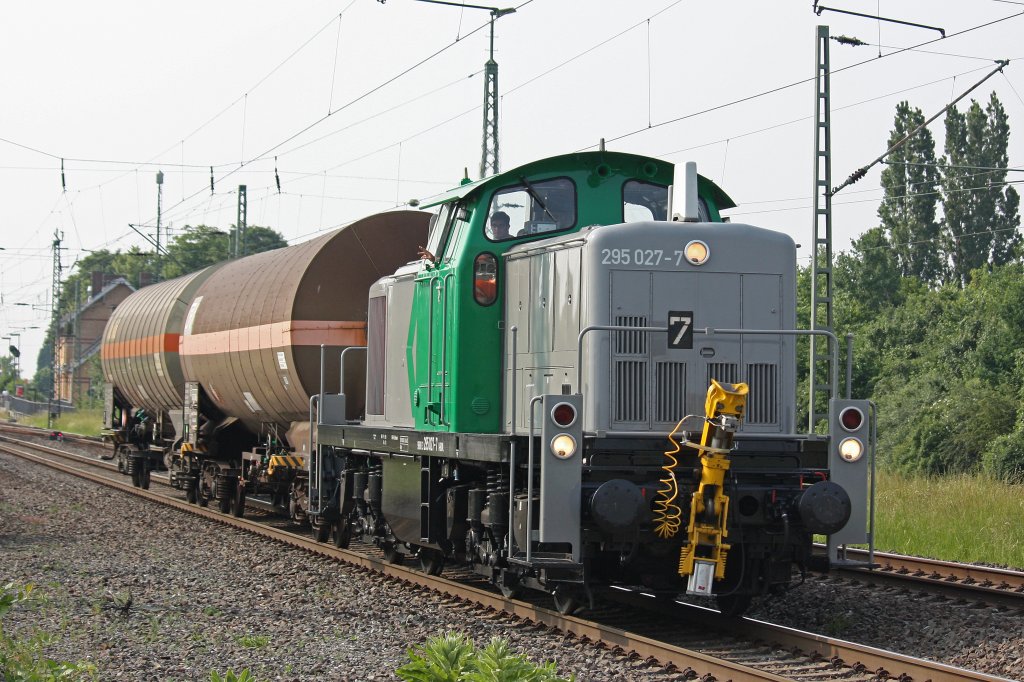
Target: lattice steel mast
{"type": "Point", "coordinates": [821, 245]}
{"type": "Point", "coordinates": [489, 154]}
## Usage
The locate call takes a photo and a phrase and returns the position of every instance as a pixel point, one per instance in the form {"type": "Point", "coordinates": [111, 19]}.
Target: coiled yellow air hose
{"type": "Point", "coordinates": [668, 517]}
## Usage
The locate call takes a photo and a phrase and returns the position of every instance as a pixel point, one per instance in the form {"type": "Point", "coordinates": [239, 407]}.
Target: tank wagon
{"type": "Point", "coordinates": [209, 375]}
{"type": "Point", "coordinates": [574, 388]}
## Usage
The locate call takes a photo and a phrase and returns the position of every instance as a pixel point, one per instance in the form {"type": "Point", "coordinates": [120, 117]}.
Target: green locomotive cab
{"type": "Point", "coordinates": [455, 334]}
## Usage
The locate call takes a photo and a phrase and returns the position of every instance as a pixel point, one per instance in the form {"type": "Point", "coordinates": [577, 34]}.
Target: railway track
{"type": "Point", "coordinates": [695, 642]}
{"type": "Point", "coordinates": [986, 584]}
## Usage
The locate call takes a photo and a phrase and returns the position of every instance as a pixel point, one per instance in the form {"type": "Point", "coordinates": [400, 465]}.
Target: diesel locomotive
{"type": "Point", "coordinates": [576, 385]}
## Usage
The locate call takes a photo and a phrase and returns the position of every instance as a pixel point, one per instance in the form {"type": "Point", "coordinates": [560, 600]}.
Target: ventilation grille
{"type": "Point", "coordinates": [723, 372]}
{"type": "Point", "coordinates": [630, 391]}
{"type": "Point", "coordinates": [631, 343]}
{"type": "Point", "coordinates": [376, 341]}
{"type": "Point", "coordinates": [762, 403]}
{"type": "Point", "coordinates": [670, 391]}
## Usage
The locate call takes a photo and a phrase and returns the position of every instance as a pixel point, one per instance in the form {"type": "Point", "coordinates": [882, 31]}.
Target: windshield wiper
{"type": "Point", "coordinates": [536, 197]}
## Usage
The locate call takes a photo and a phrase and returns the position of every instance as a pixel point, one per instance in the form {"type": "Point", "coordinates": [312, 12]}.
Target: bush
{"type": "Point", "coordinates": [1004, 458]}
{"type": "Point", "coordinates": [452, 657]}
{"type": "Point", "coordinates": [933, 427]}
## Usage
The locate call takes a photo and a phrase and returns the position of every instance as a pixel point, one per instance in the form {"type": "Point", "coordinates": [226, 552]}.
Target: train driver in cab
{"type": "Point", "coordinates": [498, 230]}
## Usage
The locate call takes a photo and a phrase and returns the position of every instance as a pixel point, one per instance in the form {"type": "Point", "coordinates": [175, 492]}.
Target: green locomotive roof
{"type": "Point", "coordinates": [574, 161]}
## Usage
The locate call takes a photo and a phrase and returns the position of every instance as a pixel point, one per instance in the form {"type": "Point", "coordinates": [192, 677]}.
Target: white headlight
{"type": "Point", "coordinates": [563, 446]}
{"type": "Point", "coordinates": [697, 252]}
{"type": "Point", "coordinates": [850, 449]}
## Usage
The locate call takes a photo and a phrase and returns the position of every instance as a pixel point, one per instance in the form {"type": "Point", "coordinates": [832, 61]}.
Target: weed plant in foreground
{"type": "Point", "coordinates": [965, 517]}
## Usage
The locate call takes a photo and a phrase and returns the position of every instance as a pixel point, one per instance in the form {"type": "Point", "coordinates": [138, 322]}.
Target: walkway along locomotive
{"type": "Point", "coordinates": [570, 391]}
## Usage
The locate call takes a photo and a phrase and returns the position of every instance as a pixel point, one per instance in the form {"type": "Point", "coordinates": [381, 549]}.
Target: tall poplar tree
{"type": "Point", "coordinates": [907, 211]}
{"type": "Point", "coordinates": [981, 212]}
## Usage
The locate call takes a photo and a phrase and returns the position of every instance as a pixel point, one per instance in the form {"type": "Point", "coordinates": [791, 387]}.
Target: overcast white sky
{"type": "Point", "coordinates": [121, 89]}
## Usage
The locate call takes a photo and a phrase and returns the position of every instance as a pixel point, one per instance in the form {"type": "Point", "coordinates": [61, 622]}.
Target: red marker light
{"type": "Point", "coordinates": [851, 418]}
{"type": "Point", "coordinates": [563, 414]}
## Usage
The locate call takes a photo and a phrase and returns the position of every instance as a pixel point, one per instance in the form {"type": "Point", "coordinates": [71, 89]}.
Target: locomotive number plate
{"type": "Point", "coordinates": [642, 257]}
{"type": "Point", "coordinates": [680, 329]}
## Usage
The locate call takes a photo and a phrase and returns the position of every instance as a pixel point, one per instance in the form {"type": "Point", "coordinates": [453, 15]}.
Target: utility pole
{"type": "Point", "coordinates": [159, 210]}
{"type": "Point", "coordinates": [489, 155]}
{"type": "Point", "coordinates": [240, 223]}
{"type": "Point", "coordinates": [58, 237]}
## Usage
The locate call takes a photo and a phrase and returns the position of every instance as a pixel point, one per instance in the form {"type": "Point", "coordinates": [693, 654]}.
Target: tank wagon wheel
{"type": "Point", "coordinates": [224, 504]}
{"type": "Point", "coordinates": [144, 477]}
{"type": "Point", "coordinates": [431, 561]}
{"type": "Point", "coordinates": [136, 477]}
{"type": "Point", "coordinates": [733, 605]}
{"type": "Point", "coordinates": [391, 554]}
{"type": "Point", "coordinates": [238, 502]}
{"type": "Point", "coordinates": [508, 584]}
{"type": "Point", "coordinates": [567, 600]}
{"type": "Point", "coordinates": [510, 591]}
{"type": "Point", "coordinates": [321, 531]}
{"type": "Point", "coordinates": [342, 533]}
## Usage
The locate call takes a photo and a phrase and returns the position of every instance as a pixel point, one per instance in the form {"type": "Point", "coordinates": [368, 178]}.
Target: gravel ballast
{"type": "Point", "coordinates": [144, 592]}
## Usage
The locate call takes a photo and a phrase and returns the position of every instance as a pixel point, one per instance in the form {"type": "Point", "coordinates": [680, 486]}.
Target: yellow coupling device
{"type": "Point", "coordinates": [703, 557]}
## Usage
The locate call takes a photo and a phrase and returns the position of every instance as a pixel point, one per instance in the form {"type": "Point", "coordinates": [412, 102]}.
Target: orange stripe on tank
{"type": "Point", "coordinates": [275, 335]}
{"type": "Point", "coordinates": [146, 345]}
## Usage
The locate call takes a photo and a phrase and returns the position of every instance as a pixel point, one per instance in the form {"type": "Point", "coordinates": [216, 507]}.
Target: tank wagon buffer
{"type": "Point", "coordinates": [209, 375]}
{"type": "Point", "coordinates": [572, 392]}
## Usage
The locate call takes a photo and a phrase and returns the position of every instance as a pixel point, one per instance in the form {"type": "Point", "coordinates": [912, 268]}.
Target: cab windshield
{"type": "Point", "coordinates": [531, 207]}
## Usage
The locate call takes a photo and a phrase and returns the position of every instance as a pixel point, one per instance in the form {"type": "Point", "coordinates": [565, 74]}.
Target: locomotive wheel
{"type": "Point", "coordinates": [431, 561]}
{"type": "Point", "coordinates": [201, 499]}
{"type": "Point", "coordinates": [321, 531]}
{"type": "Point", "coordinates": [342, 534]}
{"type": "Point", "coordinates": [733, 605]}
{"type": "Point", "coordinates": [136, 477]}
{"type": "Point", "coordinates": [567, 600]}
{"type": "Point", "coordinates": [144, 478]}
{"type": "Point", "coordinates": [238, 502]}
{"type": "Point", "coordinates": [190, 494]}
{"type": "Point", "coordinates": [224, 504]}
{"type": "Point", "coordinates": [392, 555]}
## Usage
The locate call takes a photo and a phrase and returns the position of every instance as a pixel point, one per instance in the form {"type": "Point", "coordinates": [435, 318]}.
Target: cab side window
{"type": "Point", "coordinates": [439, 228]}
{"type": "Point", "coordinates": [531, 207]}
{"type": "Point", "coordinates": [647, 201]}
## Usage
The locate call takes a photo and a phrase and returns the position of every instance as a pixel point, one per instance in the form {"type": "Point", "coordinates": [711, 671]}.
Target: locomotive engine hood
{"type": "Point", "coordinates": [639, 275]}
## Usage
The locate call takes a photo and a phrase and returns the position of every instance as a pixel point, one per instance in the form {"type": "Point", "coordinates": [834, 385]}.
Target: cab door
{"type": "Point", "coordinates": [435, 316]}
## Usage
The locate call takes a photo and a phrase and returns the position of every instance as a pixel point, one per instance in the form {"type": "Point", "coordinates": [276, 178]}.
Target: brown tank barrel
{"type": "Point", "coordinates": [253, 331]}
{"type": "Point", "coordinates": [139, 350]}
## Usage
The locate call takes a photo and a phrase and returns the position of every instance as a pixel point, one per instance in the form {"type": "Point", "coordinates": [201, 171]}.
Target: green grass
{"type": "Point", "coordinates": [81, 422]}
{"type": "Point", "coordinates": [969, 518]}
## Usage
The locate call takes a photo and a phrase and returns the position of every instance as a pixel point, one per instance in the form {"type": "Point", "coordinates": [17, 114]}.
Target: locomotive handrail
{"type": "Point", "coordinates": [512, 447]}
{"type": "Point", "coordinates": [710, 331]}
{"type": "Point", "coordinates": [315, 457]}
{"type": "Point", "coordinates": [341, 369]}
{"type": "Point", "coordinates": [512, 400]}
{"type": "Point", "coordinates": [529, 485]}
{"type": "Point", "coordinates": [603, 328]}
{"type": "Point", "coordinates": [790, 332]}
{"type": "Point", "coordinates": [313, 399]}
